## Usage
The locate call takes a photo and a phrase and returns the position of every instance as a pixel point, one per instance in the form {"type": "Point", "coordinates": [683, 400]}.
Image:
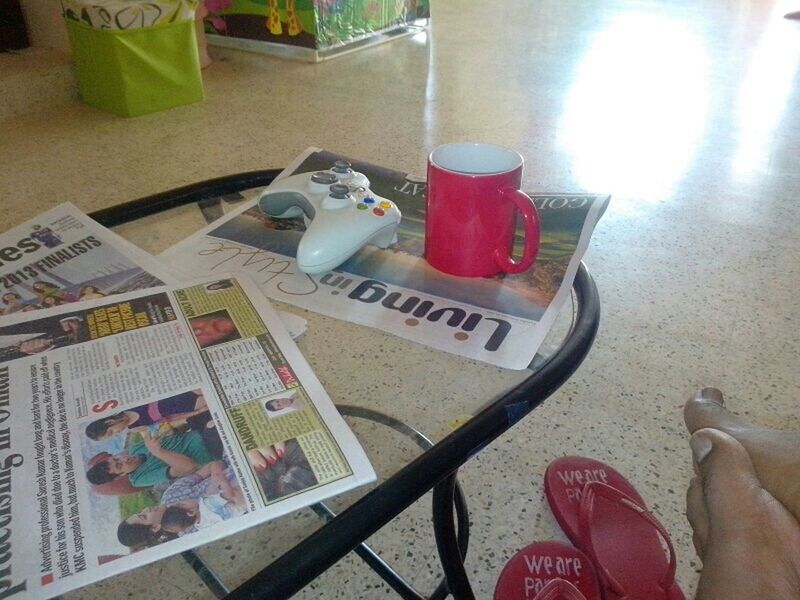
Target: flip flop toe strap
{"type": "Point", "coordinates": [591, 492]}
{"type": "Point", "coordinates": [559, 589]}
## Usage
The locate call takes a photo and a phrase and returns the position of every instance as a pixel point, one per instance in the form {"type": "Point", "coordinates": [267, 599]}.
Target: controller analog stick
{"type": "Point", "coordinates": [324, 178]}
{"type": "Point", "coordinates": [342, 166]}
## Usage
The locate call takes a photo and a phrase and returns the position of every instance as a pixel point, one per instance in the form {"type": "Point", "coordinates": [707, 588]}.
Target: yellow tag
{"type": "Point", "coordinates": [458, 422]}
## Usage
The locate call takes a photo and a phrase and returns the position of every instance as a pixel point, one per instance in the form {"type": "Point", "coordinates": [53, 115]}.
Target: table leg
{"type": "Point", "coordinates": [451, 543]}
{"type": "Point", "coordinates": [209, 577]}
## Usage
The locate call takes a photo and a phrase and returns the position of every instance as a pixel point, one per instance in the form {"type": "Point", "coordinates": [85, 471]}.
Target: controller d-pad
{"type": "Point", "coordinates": [338, 197]}
{"type": "Point", "coordinates": [339, 191]}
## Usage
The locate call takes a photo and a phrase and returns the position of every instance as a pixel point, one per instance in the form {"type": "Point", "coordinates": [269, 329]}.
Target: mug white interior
{"type": "Point", "coordinates": [475, 159]}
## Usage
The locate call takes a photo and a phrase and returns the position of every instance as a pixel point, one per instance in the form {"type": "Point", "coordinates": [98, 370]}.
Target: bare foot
{"type": "Point", "coordinates": [775, 454]}
{"type": "Point", "coordinates": [748, 541]}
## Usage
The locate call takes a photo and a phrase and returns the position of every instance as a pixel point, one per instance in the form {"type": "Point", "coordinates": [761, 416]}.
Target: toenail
{"type": "Point", "coordinates": [701, 445]}
{"type": "Point", "coordinates": [711, 394]}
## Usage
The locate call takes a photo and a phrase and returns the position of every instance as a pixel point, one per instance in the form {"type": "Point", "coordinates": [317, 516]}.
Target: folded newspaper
{"type": "Point", "coordinates": [63, 256]}
{"type": "Point", "coordinates": [501, 320]}
{"type": "Point", "coordinates": [139, 425]}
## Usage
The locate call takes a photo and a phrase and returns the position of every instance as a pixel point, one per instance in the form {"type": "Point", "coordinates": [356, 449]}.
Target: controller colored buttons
{"type": "Point", "coordinates": [378, 211]}
{"type": "Point", "coordinates": [385, 204]}
{"type": "Point", "coordinates": [369, 200]}
{"type": "Point", "coordinates": [361, 206]}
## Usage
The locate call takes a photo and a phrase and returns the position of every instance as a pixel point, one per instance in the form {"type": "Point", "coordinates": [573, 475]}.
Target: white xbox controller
{"type": "Point", "coordinates": [341, 213]}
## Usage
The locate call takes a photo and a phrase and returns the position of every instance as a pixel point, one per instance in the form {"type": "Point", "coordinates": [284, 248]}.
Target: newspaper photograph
{"type": "Point", "coordinates": [144, 424]}
{"type": "Point", "coordinates": [62, 256]}
{"type": "Point", "coordinates": [501, 320]}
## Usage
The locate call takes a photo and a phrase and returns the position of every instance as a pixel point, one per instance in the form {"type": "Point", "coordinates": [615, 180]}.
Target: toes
{"type": "Point", "coordinates": [752, 539]}
{"type": "Point", "coordinates": [729, 482]}
{"type": "Point", "coordinates": [697, 515]}
{"type": "Point", "coordinates": [706, 409]}
{"type": "Point", "coordinates": [775, 454]}
{"type": "Point", "coordinates": [711, 393]}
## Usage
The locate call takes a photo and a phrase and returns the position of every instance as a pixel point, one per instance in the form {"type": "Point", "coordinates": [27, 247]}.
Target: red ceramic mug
{"type": "Point", "coordinates": [472, 200]}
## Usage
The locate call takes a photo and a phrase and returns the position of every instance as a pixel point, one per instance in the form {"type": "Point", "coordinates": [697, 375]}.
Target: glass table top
{"type": "Point", "coordinates": [391, 391]}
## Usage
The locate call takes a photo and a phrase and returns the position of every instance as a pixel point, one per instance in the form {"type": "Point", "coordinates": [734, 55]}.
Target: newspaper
{"type": "Point", "coordinates": [143, 424]}
{"type": "Point", "coordinates": [63, 256]}
{"type": "Point", "coordinates": [501, 320]}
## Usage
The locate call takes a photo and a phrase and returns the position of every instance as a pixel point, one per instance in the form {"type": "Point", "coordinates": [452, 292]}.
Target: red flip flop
{"type": "Point", "coordinates": [559, 589]}
{"type": "Point", "coordinates": [564, 481]}
{"type": "Point", "coordinates": [548, 571]}
{"type": "Point", "coordinates": [603, 515]}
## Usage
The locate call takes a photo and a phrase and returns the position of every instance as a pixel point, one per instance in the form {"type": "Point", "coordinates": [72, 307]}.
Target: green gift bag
{"type": "Point", "coordinates": [132, 72]}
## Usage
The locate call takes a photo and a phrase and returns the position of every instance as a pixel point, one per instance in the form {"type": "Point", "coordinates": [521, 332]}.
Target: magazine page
{"type": "Point", "coordinates": [501, 320]}
{"type": "Point", "coordinates": [62, 256]}
{"type": "Point", "coordinates": [141, 425]}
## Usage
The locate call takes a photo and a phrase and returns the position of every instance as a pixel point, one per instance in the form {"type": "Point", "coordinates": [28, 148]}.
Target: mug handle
{"type": "Point", "coordinates": [530, 221]}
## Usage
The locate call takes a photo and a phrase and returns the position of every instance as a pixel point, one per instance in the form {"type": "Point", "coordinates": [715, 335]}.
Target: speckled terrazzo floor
{"type": "Point", "coordinates": [685, 112]}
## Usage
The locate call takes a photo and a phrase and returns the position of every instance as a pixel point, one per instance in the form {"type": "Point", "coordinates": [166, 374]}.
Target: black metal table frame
{"type": "Point", "coordinates": [435, 469]}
